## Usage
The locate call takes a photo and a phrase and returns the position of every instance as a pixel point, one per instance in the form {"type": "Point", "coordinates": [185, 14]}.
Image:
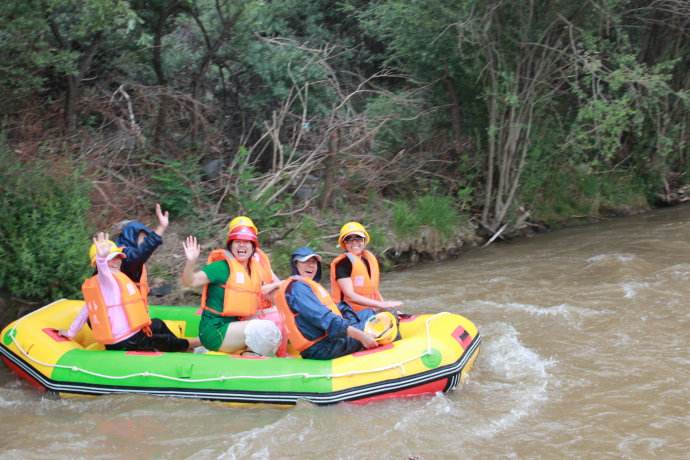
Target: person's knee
{"type": "Point", "coordinates": [262, 337]}
{"type": "Point", "coordinates": [157, 326]}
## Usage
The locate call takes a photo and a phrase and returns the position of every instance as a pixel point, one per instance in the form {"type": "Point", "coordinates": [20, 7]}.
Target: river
{"type": "Point", "coordinates": [586, 354]}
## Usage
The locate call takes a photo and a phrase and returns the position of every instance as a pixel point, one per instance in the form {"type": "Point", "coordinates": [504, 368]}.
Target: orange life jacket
{"type": "Point", "coordinates": [364, 284]}
{"type": "Point", "coordinates": [242, 291]}
{"type": "Point", "coordinates": [143, 285]}
{"type": "Point", "coordinates": [134, 307]}
{"type": "Point", "coordinates": [300, 342]}
{"type": "Point", "coordinates": [266, 274]}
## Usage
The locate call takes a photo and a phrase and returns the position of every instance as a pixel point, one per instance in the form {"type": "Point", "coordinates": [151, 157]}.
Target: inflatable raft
{"type": "Point", "coordinates": [435, 352]}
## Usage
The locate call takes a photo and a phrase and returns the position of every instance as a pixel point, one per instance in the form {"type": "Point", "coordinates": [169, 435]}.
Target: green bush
{"type": "Point", "coordinates": [437, 212]}
{"type": "Point", "coordinates": [176, 183]}
{"type": "Point", "coordinates": [558, 193]}
{"type": "Point", "coordinates": [44, 236]}
{"type": "Point", "coordinates": [621, 189]}
{"type": "Point", "coordinates": [405, 222]}
{"type": "Point", "coordinates": [434, 211]}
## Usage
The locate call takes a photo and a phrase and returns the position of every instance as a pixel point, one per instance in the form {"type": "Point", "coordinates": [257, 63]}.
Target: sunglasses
{"type": "Point", "coordinates": [351, 238]}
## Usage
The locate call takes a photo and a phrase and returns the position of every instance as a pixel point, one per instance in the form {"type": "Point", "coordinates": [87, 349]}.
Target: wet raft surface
{"type": "Point", "coordinates": [585, 351]}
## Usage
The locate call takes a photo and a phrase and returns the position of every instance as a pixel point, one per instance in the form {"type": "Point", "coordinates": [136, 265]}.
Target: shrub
{"type": "Point", "coordinates": [176, 183]}
{"type": "Point", "coordinates": [437, 212]}
{"type": "Point", "coordinates": [43, 232]}
{"type": "Point", "coordinates": [405, 222]}
{"type": "Point", "coordinates": [434, 211]}
{"type": "Point", "coordinates": [558, 193]}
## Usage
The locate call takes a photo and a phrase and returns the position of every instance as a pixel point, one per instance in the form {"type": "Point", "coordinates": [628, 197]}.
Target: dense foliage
{"type": "Point", "coordinates": [43, 231]}
{"type": "Point", "coordinates": [506, 115]}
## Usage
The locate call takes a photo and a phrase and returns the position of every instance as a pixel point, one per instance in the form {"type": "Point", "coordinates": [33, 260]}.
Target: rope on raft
{"type": "Point", "coordinates": [305, 375]}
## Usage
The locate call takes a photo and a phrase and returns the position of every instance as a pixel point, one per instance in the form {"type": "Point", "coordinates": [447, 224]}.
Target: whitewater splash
{"type": "Point", "coordinates": [513, 377]}
{"type": "Point", "coordinates": [623, 258]}
{"type": "Point", "coordinates": [562, 310]}
{"type": "Point", "coordinates": [631, 289]}
{"type": "Point", "coordinates": [265, 441]}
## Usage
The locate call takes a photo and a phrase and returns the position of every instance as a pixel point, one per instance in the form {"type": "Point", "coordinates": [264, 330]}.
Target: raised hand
{"type": "Point", "coordinates": [191, 248]}
{"type": "Point", "coordinates": [163, 220]}
{"type": "Point", "coordinates": [102, 243]}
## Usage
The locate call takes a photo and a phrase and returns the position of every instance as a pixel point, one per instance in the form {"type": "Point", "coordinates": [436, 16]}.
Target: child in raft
{"type": "Point", "coordinates": [116, 310]}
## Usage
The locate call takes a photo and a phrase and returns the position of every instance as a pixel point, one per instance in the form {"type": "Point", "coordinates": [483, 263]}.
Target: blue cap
{"type": "Point", "coordinates": [302, 255]}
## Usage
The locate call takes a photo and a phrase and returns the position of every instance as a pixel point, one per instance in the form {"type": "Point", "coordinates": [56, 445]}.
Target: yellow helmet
{"type": "Point", "coordinates": [383, 326]}
{"type": "Point", "coordinates": [351, 228]}
{"type": "Point", "coordinates": [114, 249]}
{"type": "Point", "coordinates": [244, 221]}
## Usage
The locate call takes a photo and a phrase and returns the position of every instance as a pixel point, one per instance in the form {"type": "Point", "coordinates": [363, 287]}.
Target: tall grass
{"type": "Point", "coordinates": [433, 211]}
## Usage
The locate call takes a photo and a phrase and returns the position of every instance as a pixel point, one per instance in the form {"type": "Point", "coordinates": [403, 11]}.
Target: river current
{"type": "Point", "coordinates": [586, 354]}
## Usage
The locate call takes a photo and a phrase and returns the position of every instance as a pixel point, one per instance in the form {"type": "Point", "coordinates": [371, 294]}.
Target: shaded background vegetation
{"type": "Point", "coordinates": [422, 119]}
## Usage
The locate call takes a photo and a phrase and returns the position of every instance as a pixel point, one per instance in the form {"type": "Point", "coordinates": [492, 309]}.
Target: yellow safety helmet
{"type": "Point", "coordinates": [351, 228]}
{"type": "Point", "coordinates": [243, 221]}
{"type": "Point", "coordinates": [383, 326]}
{"type": "Point", "coordinates": [113, 252]}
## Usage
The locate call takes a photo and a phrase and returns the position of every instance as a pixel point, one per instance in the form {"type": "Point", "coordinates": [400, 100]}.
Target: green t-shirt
{"type": "Point", "coordinates": [212, 327]}
{"type": "Point", "coordinates": [218, 274]}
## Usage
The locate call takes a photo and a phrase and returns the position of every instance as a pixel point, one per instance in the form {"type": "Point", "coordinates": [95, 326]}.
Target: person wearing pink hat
{"type": "Point", "coordinates": [231, 295]}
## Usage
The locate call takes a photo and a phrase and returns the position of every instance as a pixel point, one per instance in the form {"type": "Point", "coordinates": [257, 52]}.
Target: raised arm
{"type": "Point", "coordinates": [190, 277]}
{"type": "Point", "coordinates": [106, 280]}
{"type": "Point", "coordinates": [163, 220]}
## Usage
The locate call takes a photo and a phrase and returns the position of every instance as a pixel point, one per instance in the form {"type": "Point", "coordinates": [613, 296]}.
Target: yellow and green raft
{"type": "Point", "coordinates": [435, 352]}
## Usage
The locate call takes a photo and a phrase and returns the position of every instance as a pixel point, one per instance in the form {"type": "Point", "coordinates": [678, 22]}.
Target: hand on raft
{"type": "Point", "coordinates": [367, 340]}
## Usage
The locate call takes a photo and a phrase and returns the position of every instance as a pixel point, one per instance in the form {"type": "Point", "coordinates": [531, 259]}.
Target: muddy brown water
{"type": "Point", "coordinates": [586, 355]}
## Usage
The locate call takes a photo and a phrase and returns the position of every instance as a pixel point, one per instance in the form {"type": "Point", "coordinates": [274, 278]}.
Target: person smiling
{"type": "Point", "coordinates": [316, 327]}
{"type": "Point", "coordinates": [231, 295]}
{"type": "Point", "coordinates": [355, 274]}
{"type": "Point", "coordinates": [269, 280]}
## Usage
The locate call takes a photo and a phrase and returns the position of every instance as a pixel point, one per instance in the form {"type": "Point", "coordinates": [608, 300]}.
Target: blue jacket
{"type": "Point", "coordinates": [137, 255]}
{"type": "Point", "coordinates": [313, 318]}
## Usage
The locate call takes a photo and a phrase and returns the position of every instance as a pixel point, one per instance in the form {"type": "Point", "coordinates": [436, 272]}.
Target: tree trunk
{"type": "Point", "coordinates": [211, 50]}
{"type": "Point", "coordinates": [329, 174]}
{"type": "Point", "coordinates": [161, 80]}
{"type": "Point", "coordinates": [71, 97]}
{"type": "Point", "coordinates": [455, 115]}
{"type": "Point", "coordinates": [74, 80]}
